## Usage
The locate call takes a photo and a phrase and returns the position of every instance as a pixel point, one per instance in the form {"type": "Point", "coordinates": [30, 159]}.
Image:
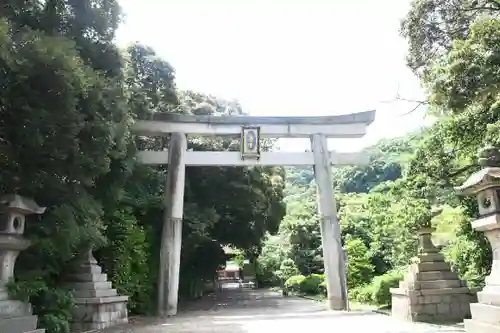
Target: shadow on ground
{"type": "Point", "coordinates": [262, 311]}
{"type": "Point", "coordinates": [238, 311]}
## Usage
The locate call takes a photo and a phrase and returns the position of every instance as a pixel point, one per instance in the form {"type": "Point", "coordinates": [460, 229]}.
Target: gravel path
{"type": "Point", "coordinates": [261, 311]}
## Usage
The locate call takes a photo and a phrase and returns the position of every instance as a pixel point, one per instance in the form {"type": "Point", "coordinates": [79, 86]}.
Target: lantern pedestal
{"type": "Point", "coordinates": [430, 291]}
{"type": "Point", "coordinates": [97, 304]}
{"type": "Point", "coordinates": [486, 313]}
{"type": "Point", "coordinates": [485, 186]}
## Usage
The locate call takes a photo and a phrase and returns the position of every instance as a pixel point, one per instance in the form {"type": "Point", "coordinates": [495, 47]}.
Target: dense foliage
{"type": "Point", "coordinates": [453, 46]}
{"type": "Point", "coordinates": [68, 97]}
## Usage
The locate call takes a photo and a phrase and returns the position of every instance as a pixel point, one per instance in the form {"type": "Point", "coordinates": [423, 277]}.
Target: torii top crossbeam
{"type": "Point", "coordinates": [342, 126]}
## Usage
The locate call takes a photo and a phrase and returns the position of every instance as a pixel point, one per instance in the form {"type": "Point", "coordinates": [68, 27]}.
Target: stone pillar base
{"type": "Point", "coordinates": [16, 317]}
{"type": "Point", "coordinates": [431, 292]}
{"type": "Point", "coordinates": [438, 306]}
{"type": "Point", "coordinates": [99, 312]}
{"type": "Point", "coordinates": [97, 305]}
{"type": "Point", "coordinates": [485, 314]}
{"type": "Point", "coordinates": [474, 326]}
{"type": "Point", "coordinates": [335, 303]}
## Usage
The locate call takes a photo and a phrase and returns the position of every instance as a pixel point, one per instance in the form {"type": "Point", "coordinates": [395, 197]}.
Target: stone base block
{"type": "Point", "coordinates": [11, 308]}
{"type": "Point", "coordinates": [335, 303]}
{"type": "Point", "coordinates": [99, 313]}
{"type": "Point", "coordinates": [4, 295]}
{"type": "Point", "coordinates": [24, 324]}
{"type": "Point", "coordinates": [486, 313]}
{"type": "Point", "coordinates": [436, 275]}
{"type": "Point", "coordinates": [474, 326]}
{"type": "Point", "coordinates": [491, 298]}
{"type": "Point", "coordinates": [431, 305]}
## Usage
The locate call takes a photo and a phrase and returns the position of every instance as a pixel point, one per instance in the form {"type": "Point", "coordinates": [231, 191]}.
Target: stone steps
{"type": "Point", "coordinates": [98, 305]}
{"type": "Point", "coordinates": [485, 313]}
{"type": "Point", "coordinates": [88, 289]}
{"type": "Point", "coordinates": [88, 277]}
{"type": "Point", "coordinates": [438, 284]}
{"type": "Point", "coordinates": [430, 291]}
{"type": "Point", "coordinates": [418, 291]}
{"type": "Point", "coordinates": [18, 324]}
{"type": "Point", "coordinates": [428, 285]}
{"type": "Point", "coordinates": [432, 266]}
{"type": "Point", "coordinates": [84, 285]}
{"type": "Point", "coordinates": [436, 275]}
{"type": "Point", "coordinates": [445, 291]}
{"type": "Point", "coordinates": [94, 293]}
{"type": "Point", "coordinates": [431, 257]}
{"type": "Point", "coordinates": [488, 298]}
{"type": "Point", "coordinates": [89, 269]}
{"type": "Point", "coordinates": [474, 326]}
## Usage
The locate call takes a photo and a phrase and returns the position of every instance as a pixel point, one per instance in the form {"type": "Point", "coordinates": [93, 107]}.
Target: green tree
{"type": "Point", "coordinates": [431, 26]}
{"type": "Point", "coordinates": [64, 122]}
{"type": "Point", "coordinates": [359, 267]}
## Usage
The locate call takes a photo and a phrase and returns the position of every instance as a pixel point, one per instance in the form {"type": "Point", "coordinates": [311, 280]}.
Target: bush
{"type": "Point", "coordinates": [287, 269]}
{"type": "Point", "coordinates": [381, 285]}
{"type": "Point", "coordinates": [469, 253]}
{"type": "Point", "coordinates": [378, 291]}
{"type": "Point", "coordinates": [322, 288]}
{"type": "Point", "coordinates": [126, 260]}
{"type": "Point", "coordinates": [311, 284]}
{"type": "Point", "coordinates": [294, 282]}
{"type": "Point", "coordinates": [53, 305]}
{"type": "Point", "coordinates": [359, 267]}
{"type": "Point", "coordinates": [362, 294]}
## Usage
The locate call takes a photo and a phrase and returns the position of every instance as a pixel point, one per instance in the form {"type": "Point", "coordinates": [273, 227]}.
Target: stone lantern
{"type": "Point", "coordinates": [15, 316]}
{"type": "Point", "coordinates": [485, 185]}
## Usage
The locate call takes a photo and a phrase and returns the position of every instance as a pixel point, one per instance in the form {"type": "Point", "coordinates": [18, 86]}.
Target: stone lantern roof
{"type": "Point", "coordinates": [21, 205]}
{"type": "Point", "coordinates": [481, 180]}
{"type": "Point", "coordinates": [488, 177]}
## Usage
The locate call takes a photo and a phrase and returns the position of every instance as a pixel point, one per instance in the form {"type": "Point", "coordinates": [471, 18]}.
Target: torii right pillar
{"type": "Point", "coordinates": [485, 185]}
{"type": "Point", "coordinates": [333, 255]}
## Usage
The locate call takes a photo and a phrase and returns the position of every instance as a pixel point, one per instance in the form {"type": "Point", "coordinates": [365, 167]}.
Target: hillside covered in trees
{"type": "Point", "coordinates": [69, 96]}
{"type": "Point", "coordinates": [383, 204]}
{"type": "Point", "coordinates": [380, 208]}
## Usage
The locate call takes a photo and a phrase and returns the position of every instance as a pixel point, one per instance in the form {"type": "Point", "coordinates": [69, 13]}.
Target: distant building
{"type": "Point", "coordinates": [232, 271]}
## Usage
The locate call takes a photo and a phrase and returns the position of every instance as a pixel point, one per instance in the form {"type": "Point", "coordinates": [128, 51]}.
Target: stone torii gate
{"type": "Point", "coordinates": [251, 130]}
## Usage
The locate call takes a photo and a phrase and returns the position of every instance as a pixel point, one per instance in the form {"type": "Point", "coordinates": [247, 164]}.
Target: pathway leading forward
{"type": "Point", "coordinates": [260, 311]}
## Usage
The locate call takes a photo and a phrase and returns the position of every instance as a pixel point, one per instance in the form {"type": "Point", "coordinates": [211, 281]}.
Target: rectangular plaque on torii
{"type": "Point", "coordinates": [250, 142]}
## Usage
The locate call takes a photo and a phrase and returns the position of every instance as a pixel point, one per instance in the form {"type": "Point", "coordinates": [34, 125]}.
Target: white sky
{"type": "Point", "coordinates": [287, 57]}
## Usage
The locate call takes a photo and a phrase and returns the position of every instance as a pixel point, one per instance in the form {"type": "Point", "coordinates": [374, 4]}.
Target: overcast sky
{"type": "Point", "coordinates": [286, 57]}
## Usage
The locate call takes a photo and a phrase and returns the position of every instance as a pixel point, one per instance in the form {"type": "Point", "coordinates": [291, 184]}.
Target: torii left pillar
{"type": "Point", "coordinates": [171, 241]}
{"type": "Point", "coordinates": [333, 253]}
